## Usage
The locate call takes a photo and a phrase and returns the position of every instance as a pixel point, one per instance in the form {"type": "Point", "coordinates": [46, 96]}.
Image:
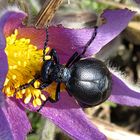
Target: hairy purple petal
{"type": "Point", "coordinates": [123, 93]}
{"type": "Point", "coordinates": [115, 22]}
{"type": "Point", "coordinates": [17, 119]}
{"type": "Point", "coordinates": [69, 117]}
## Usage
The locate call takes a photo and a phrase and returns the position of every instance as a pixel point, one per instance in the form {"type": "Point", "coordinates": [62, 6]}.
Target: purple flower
{"type": "Point", "coordinates": [137, 1]}
{"type": "Point", "coordinates": [21, 55]}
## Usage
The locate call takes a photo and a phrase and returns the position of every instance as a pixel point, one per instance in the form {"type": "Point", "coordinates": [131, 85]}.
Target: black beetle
{"type": "Point", "coordinates": [88, 80]}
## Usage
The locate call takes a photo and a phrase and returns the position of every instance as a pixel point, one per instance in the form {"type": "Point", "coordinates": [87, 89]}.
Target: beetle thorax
{"type": "Point", "coordinates": [60, 73]}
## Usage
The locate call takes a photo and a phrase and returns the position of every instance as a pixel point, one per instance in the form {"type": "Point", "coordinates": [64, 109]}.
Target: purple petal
{"type": "Point", "coordinates": [8, 22]}
{"type": "Point", "coordinates": [5, 130]}
{"type": "Point", "coordinates": [13, 118]}
{"type": "Point", "coordinates": [3, 59]}
{"type": "Point", "coordinates": [137, 1]}
{"type": "Point", "coordinates": [71, 119]}
{"type": "Point", "coordinates": [116, 22]}
{"type": "Point", "coordinates": [3, 72]}
{"type": "Point", "coordinates": [65, 41]}
{"type": "Point", "coordinates": [11, 20]}
{"type": "Point", "coordinates": [123, 93]}
{"type": "Point", "coordinates": [18, 122]}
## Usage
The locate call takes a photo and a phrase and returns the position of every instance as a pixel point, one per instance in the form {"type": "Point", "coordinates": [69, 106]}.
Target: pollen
{"type": "Point", "coordinates": [25, 61]}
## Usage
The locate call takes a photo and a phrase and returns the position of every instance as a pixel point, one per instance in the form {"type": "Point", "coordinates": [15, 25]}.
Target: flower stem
{"type": "Point", "coordinates": [47, 12]}
{"type": "Point", "coordinates": [48, 132]}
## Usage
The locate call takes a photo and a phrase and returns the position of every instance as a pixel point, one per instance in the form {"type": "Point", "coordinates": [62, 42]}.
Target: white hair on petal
{"type": "Point", "coordinates": [13, 8]}
{"type": "Point", "coordinates": [68, 1]}
{"type": "Point", "coordinates": [123, 77]}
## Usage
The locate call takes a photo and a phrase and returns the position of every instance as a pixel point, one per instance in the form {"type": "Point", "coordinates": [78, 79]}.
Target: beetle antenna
{"type": "Point", "coordinates": [46, 43]}
{"type": "Point", "coordinates": [90, 41]}
{"type": "Point", "coordinates": [75, 57]}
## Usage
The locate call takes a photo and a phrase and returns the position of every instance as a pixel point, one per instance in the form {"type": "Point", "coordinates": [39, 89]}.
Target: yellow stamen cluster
{"type": "Point", "coordinates": [24, 60]}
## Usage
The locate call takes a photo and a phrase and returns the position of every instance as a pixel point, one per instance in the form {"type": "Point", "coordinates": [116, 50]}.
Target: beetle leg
{"type": "Point", "coordinates": [43, 85]}
{"type": "Point", "coordinates": [71, 59]}
{"type": "Point", "coordinates": [50, 99]}
{"type": "Point", "coordinates": [75, 60]}
{"type": "Point", "coordinates": [57, 95]}
{"type": "Point", "coordinates": [69, 92]}
{"type": "Point", "coordinates": [27, 84]}
{"type": "Point", "coordinates": [43, 104]}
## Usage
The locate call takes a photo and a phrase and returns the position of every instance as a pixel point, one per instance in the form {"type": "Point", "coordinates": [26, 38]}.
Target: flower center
{"type": "Point", "coordinates": [25, 61]}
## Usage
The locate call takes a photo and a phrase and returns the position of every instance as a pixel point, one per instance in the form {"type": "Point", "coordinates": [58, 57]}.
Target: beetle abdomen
{"type": "Point", "coordinates": [90, 81]}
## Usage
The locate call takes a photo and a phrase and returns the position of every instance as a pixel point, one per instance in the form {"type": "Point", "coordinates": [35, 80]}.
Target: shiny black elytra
{"type": "Point", "coordinates": [88, 80]}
